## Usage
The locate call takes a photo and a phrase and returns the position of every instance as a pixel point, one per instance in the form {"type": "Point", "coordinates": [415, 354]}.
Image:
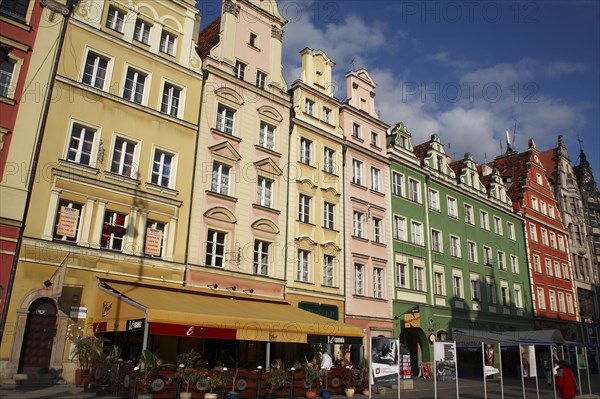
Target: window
{"type": "Point", "coordinates": [537, 266]}
{"type": "Point", "coordinates": [375, 139]}
{"type": "Point", "coordinates": [399, 228]}
{"type": "Point", "coordinates": [326, 115]}
{"type": "Point", "coordinates": [329, 160]}
{"type": "Point", "coordinates": [573, 204]}
{"type": "Point", "coordinates": [475, 289]}
{"type": "Point", "coordinates": [570, 308]}
{"type": "Point", "coordinates": [497, 225]}
{"type": "Point", "coordinates": [375, 179]}
{"type": "Point", "coordinates": [543, 207]}
{"type": "Point", "coordinates": [303, 265]}
{"type": "Point", "coordinates": [356, 130]}
{"type": "Point", "coordinates": [561, 243]}
{"type": "Point", "coordinates": [544, 235]}
{"type": "Point", "coordinates": [309, 107]}
{"type": "Point", "coordinates": [304, 208]}
{"type": "Point", "coordinates": [518, 298]}
{"type": "Point", "coordinates": [170, 100]}
{"type": "Point", "coordinates": [457, 286]}
{"type": "Point", "coordinates": [94, 73]}
{"type": "Point", "coordinates": [134, 85]}
{"type": "Point", "coordinates": [397, 183]}
{"type": "Point", "coordinates": [487, 256]}
{"type": "Point", "coordinates": [548, 267]}
{"type": "Point", "coordinates": [538, 178]}
{"type": "Point", "coordinates": [551, 211]}
{"type": "Point", "coordinates": [454, 246]}
{"type": "Point", "coordinates": [328, 269]}
{"type": "Point", "coordinates": [114, 230]}
{"type": "Point", "coordinates": [434, 200]}
{"type": "Point", "coordinates": [452, 207]}
{"type": "Point", "coordinates": [472, 251]}
{"type": "Point", "coordinates": [561, 302]}
{"type": "Point", "coordinates": [485, 224]}
{"type": "Point", "coordinates": [577, 234]}
{"type": "Point", "coordinates": [359, 279]}
{"type": "Point", "coordinates": [402, 275]}
{"type": "Point", "coordinates": [552, 296]}
{"type": "Point", "coordinates": [7, 71]}
{"type": "Point", "coordinates": [357, 172]}
{"type": "Point", "coordinates": [328, 213]}
{"type": "Point", "coordinates": [220, 178]}
{"type": "Point", "coordinates": [378, 282]}
{"type": "Point", "coordinates": [357, 224]}
{"type": "Point", "coordinates": [556, 269]}
{"type": "Point", "coordinates": [225, 119]}
{"type": "Point", "coordinates": [81, 145]}
{"type": "Point", "coordinates": [66, 227]}
{"type": "Point", "coordinates": [167, 42]}
{"type": "Point", "coordinates": [141, 32]}
{"type": "Point", "coordinates": [565, 271]}
{"type": "Point", "coordinates": [161, 168]}
{"type": "Point", "coordinates": [264, 192]}
{"type": "Point", "coordinates": [115, 19]}
{"type": "Point", "coordinates": [15, 8]}
{"type": "Point", "coordinates": [215, 248]}
{"type": "Point", "coordinates": [305, 151]}
{"type": "Point", "coordinates": [123, 157]}
{"type": "Point", "coordinates": [440, 163]}
{"type": "Point", "coordinates": [514, 264]}
{"type": "Point", "coordinates": [417, 233]}
{"type": "Point", "coordinates": [532, 232]}
{"type": "Point", "coordinates": [438, 283]}
{"type": "Point", "coordinates": [261, 257]}
{"type": "Point", "coordinates": [505, 296]}
{"type": "Point", "coordinates": [491, 291]}
{"type": "Point", "coordinates": [540, 298]}
{"type": "Point", "coordinates": [469, 214]}
{"type": "Point", "coordinates": [239, 71]}
{"type": "Point", "coordinates": [266, 136]}
{"type": "Point", "coordinates": [553, 240]}
{"type": "Point", "coordinates": [414, 189]}
{"type": "Point", "coordinates": [419, 278]}
{"type": "Point", "coordinates": [377, 230]}
{"type": "Point", "coordinates": [261, 80]}
{"type": "Point", "coordinates": [501, 261]}
{"type": "Point", "coordinates": [511, 231]}
{"type": "Point", "coordinates": [154, 239]}
{"type": "Point", "coordinates": [436, 241]}
{"type": "Point", "coordinates": [253, 40]}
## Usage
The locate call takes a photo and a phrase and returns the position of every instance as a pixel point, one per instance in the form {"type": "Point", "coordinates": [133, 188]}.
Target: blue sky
{"type": "Point", "coordinates": [466, 70]}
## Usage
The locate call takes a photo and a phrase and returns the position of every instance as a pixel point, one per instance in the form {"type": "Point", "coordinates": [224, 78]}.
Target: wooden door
{"type": "Point", "coordinates": [38, 340]}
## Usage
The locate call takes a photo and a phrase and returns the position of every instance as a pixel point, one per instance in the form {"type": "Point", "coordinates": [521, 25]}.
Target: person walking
{"type": "Point", "coordinates": [565, 381]}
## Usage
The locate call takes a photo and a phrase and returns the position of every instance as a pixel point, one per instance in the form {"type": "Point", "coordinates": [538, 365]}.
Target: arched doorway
{"type": "Point", "coordinates": [410, 338]}
{"type": "Point", "coordinates": [38, 338]}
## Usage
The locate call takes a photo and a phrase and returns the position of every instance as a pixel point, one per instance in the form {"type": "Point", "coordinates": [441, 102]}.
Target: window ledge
{"type": "Point", "coordinates": [379, 193]}
{"type": "Point", "coordinates": [121, 178]}
{"type": "Point", "coordinates": [307, 164]}
{"type": "Point", "coordinates": [379, 244]}
{"type": "Point", "coordinates": [303, 222]}
{"type": "Point", "coordinates": [266, 208]}
{"type": "Point", "coordinates": [267, 150]}
{"type": "Point", "coordinates": [222, 196]}
{"type": "Point", "coordinates": [331, 173]}
{"type": "Point", "coordinates": [87, 170]}
{"type": "Point", "coordinates": [357, 185]}
{"type": "Point", "coordinates": [360, 238]}
{"type": "Point", "coordinates": [15, 21]}
{"type": "Point", "coordinates": [7, 100]}
{"type": "Point", "coordinates": [162, 189]}
{"type": "Point", "coordinates": [227, 135]}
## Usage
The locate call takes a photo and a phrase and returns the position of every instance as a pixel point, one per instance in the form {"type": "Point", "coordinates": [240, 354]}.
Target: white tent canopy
{"type": "Point", "coordinates": [468, 337]}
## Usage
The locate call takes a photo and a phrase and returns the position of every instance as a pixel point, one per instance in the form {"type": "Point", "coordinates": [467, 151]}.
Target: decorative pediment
{"type": "Point", "coordinates": [305, 240]}
{"type": "Point", "coordinates": [220, 213]}
{"type": "Point", "coordinates": [228, 94]}
{"type": "Point", "coordinates": [265, 225]}
{"type": "Point", "coordinates": [331, 190]}
{"type": "Point", "coordinates": [307, 181]}
{"type": "Point", "coordinates": [225, 150]}
{"type": "Point", "coordinates": [270, 113]}
{"type": "Point", "coordinates": [268, 166]}
{"type": "Point", "coordinates": [363, 74]}
{"type": "Point", "coordinates": [331, 246]}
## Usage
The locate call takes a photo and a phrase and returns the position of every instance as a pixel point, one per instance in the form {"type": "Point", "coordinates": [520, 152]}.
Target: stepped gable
{"type": "Point", "coordinates": [515, 167]}
{"type": "Point", "coordinates": [208, 38]}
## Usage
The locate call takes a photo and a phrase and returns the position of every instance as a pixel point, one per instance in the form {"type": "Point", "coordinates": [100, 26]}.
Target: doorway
{"type": "Point", "coordinates": [38, 338]}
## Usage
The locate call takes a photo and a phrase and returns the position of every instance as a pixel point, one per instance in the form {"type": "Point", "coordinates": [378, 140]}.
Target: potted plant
{"type": "Point", "coordinates": [186, 372]}
{"type": "Point", "coordinates": [348, 382]}
{"type": "Point", "coordinates": [276, 379]}
{"type": "Point", "coordinates": [147, 362]}
{"type": "Point", "coordinates": [103, 367]}
{"type": "Point", "coordinates": [363, 365]}
{"type": "Point", "coordinates": [311, 375]}
{"type": "Point", "coordinates": [233, 394]}
{"type": "Point", "coordinates": [86, 350]}
{"type": "Point", "coordinates": [190, 376]}
{"type": "Point", "coordinates": [213, 381]}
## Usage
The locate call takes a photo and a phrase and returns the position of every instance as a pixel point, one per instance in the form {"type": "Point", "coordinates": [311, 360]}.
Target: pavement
{"type": "Point", "coordinates": [469, 388]}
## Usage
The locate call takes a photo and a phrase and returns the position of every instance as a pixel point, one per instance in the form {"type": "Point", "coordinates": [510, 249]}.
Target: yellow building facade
{"type": "Point", "coordinates": [113, 193]}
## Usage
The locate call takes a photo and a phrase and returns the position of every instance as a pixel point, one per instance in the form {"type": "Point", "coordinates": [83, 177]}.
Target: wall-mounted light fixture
{"type": "Point", "coordinates": [213, 286]}
{"type": "Point", "coordinates": [47, 283]}
{"type": "Point", "coordinates": [249, 291]}
{"type": "Point", "coordinates": [232, 288]}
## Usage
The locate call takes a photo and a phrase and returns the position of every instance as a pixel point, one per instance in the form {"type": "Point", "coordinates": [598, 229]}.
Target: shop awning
{"type": "Point", "coordinates": [191, 313]}
{"type": "Point", "coordinates": [467, 337]}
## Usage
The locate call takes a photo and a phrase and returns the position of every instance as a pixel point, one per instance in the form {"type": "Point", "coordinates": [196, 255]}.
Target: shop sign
{"type": "Point", "coordinates": [78, 312]}
{"type": "Point", "coordinates": [134, 325]}
{"type": "Point", "coordinates": [182, 330]}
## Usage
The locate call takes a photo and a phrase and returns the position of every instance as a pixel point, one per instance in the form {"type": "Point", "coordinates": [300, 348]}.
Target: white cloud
{"type": "Point", "coordinates": [557, 69]}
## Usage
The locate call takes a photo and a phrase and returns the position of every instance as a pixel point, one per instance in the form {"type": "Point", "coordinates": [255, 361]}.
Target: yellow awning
{"type": "Point", "coordinates": [252, 320]}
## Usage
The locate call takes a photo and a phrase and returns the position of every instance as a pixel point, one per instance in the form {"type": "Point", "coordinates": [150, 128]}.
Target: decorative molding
{"type": "Point", "coordinates": [230, 7]}
{"type": "Point", "coordinates": [55, 6]}
{"type": "Point", "coordinates": [276, 33]}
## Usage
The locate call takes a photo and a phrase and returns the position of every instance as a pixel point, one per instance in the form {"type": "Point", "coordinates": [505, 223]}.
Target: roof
{"type": "Point", "coordinates": [421, 150]}
{"type": "Point", "coordinates": [549, 159]}
{"type": "Point", "coordinates": [513, 166]}
{"type": "Point", "coordinates": [208, 38]}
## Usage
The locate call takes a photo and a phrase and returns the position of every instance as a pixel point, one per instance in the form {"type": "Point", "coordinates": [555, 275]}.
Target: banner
{"type": "Point", "coordinates": [153, 241]}
{"type": "Point", "coordinates": [67, 222]}
{"type": "Point", "coordinates": [581, 363]}
{"type": "Point", "coordinates": [412, 318]}
{"type": "Point", "coordinates": [528, 365]}
{"type": "Point", "coordinates": [491, 356]}
{"type": "Point", "coordinates": [385, 364]}
{"type": "Point", "coordinates": [445, 361]}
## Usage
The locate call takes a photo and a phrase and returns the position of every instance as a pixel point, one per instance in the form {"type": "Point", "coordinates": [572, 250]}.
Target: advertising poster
{"type": "Point", "coordinates": [581, 363]}
{"type": "Point", "coordinates": [528, 365]}
{"type": "Point", "coordinates": [445, 361]}
{"type": "Point", "coordinates": [491, 359]}
{"type": "Point", "coordinates": [67, 222]}
{"type": "Point", "coordinates": [384, 360]}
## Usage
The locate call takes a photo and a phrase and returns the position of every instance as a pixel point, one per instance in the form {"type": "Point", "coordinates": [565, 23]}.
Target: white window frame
{"type": "Point", "coordinates": [139, 79]}
{"type": "Point", "coordinates": [502, 261]}
{"type": "Point", "coordinates": [434, 200]}
{"type": "Point", "coordinates": [518, 296]}
{"type": "Point", "coordinates": [375, 179]}
{"type": "Point", "coordinates": [541, 300]}
{"type": "Point", "coordinates": [469, 218]}
{"type": "Point", "coordinates": [511, 231]}
{"type": "Point", "coordinates": [92, 60]}
{"type": "Point", "coordinates": [168, 42]}
{"type": "Point", "coordinates": [356, 130]}
{"type": "Point", "coordinates": [304, 266]}
{"type": "Point", "coordinates": [377, 230]}
{"type": "Point", "coordinates": [457, 285]}
{"type": "Point", "coordinates": [262, 257]}
{"type": "Point", "coordinates": [399, 228]}
{"type": "Point", "coordinates": [225, 119]}
{"type": "Point", "coordinates": [306, 146]}
{"type": "Point", "coordinates": [261, 80]}
{"type": "Point", "coordinates": [537, 264]}
{"type": "Point", "coordinates": [328, 270]}
{"type": "Point", "coordinates": [304, 208]}
{"type": "Point", "coordinates": [472, 251]}
{"type": "Point", "coordinates": [112, 237]}
{"type": "Point", "coordinates": [329, 215]}
{"type": "Point", "coordinates": [436, 241]}
{"type": "Point", "coordinates": [439, 283]}
{"type": "Point", "coordinates": [220, 178]}
{"type": "Point", "coordinates": [76, 144]}
{"type": "Point", "coordinates": [264, 192]}
{"type": "Point", "coordinates": [514, 264]}
{"type": "Point", "coordinates": [160, 170]}
{"type": "Point", "coordinates": [552, 300]}
{"type": "Point", "coordinates": [326, 115]}
{"type": "Point", "coordinates": [115, 19]}
{"type": "Point", "coordinates": [498, 226]}
{"type": "Point", "coordinates": [484, 220]}
{"type": "Point", "coordinates": [416, 232]}
{"type": "Point", "coordinates": [419, 278]}
{"type": "Point", "coordinates": [397, 184]}
{"type": "Point", "coordinates": [359, 279]}
{"type": "Point", "coordinates": [358, 224]}
{"type": "Point", "coordinates": [414, 188]}
{"type": "Point", "coordinates": [329, 160]}
{"type": "Point", "coordinates": [402, 280]}
{"type": "Point", "coordinates": [378, 277]}
{"type": "Point", "coordinates": [357, 172]}
{"type": "Point", "coordinates": [239, 70]}
{"type": "Point", "coordinates": [492, 295]}
{"type": "Point", "coordinates": [452, 210]}
{"type": "Point", "coordinates": [266, 137]}
{"type": "Point", "coordinates": [375, 139]}
{"type": "Point", "coordinates": [121, 165]}
{"type": "Point", "coordinates": [488, 259]}
{"type": "Point", "coordinates": [309, 107]}
{"type": "Point", "coordinates": [142, 31]}
{"type": "Point", "coordinates": [215, 240]}
{"type": "Point", "coordinates": [454, 245]}
{"type": "Point", "coordinates": [172, 99]}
